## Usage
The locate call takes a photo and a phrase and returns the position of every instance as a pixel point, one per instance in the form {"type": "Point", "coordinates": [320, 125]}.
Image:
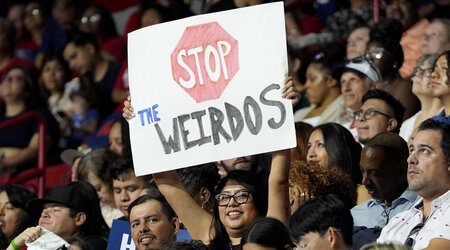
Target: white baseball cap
{"type": "Point", "coordinates": [360, 65]}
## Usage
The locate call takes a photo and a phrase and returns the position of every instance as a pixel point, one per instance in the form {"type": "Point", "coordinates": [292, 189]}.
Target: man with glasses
{"type": "Point", "coordinates": [356, 77]}
{"type": "Point", "coordinates": [380, 112]}
{"type": "Point", "coordinates": [153, 222]}
{"type": "Point", "coordinates": [427, 224]}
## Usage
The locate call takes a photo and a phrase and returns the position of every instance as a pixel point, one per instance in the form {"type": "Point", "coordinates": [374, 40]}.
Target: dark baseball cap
{"type": "Point", "coordinates": [72, 195]}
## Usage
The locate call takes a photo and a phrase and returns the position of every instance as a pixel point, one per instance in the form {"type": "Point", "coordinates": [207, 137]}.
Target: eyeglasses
{"type": "Point", "coordinates": [418, 71]}
{"type": "Point", "coordinates": [410, 241]}
{"type": "Point", "coordinates": [377, 53]}
{"type": "Point", "coordinates": [368, 114]}
{"type": "Point", "coordinates": [240, 197]}
{"type": "Point", "coordinates": [93, 19]}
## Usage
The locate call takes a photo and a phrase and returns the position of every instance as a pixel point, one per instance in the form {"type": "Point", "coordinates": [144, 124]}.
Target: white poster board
{"type": "Point", "coordinates": [208, 88]}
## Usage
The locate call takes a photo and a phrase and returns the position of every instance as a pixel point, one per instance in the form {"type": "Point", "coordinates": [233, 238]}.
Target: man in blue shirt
{"type": "Point", "coordinates": [384, 168]}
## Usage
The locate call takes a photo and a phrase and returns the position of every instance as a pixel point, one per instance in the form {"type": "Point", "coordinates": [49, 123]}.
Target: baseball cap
{"type": "Point", "coordinates": [360, 65]}
{"type": "Point", "coordinates": [68, 156]}
{"type": "Point", "coordinates": [73, 195]}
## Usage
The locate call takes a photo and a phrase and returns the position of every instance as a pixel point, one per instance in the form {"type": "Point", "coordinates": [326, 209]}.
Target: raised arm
{"type": "Point", "coordinates": [279, 171]}
{"type": "Point", "coordinates": [197, 221]}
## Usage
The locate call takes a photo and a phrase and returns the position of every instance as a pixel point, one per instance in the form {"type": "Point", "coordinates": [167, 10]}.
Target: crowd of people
{"type": "Point", "coordinates": [371, 101]}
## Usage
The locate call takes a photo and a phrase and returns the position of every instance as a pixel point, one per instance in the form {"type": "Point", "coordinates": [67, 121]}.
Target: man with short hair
{"type": "Point", "coordinates": [426, 224]}
{"type": "Point", "coordinates": [357, 76]}
{"type": "Point", "coordinates": [323, 222]}
{"type": "Point", "coordinates": [153, 222]}
{"type": "Point", "coordinates": [383, 165]}
{"type": "Point", "coordinates": [126, 185]}
{"type": "Point", "coordinates": [380, 112]}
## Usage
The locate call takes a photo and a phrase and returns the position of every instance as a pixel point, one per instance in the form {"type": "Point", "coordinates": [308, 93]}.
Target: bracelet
{"type": "Point", "coordinates": [13, 244]}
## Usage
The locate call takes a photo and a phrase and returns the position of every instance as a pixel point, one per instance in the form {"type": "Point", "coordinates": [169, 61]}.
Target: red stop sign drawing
{"type": "Point", "coordinates": [205, 60]}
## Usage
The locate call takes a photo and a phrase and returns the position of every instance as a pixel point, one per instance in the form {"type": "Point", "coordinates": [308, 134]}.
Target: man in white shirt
{"type": "Point", "coordinates": [427, 224]}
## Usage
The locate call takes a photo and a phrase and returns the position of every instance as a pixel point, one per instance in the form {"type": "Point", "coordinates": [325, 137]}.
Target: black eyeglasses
{"type": "Point", "coordinates": [240, 197]}
{"type": "Point", "coordinates": [368, 114]}
{"type": "Point", "coordinates": [410, 241]}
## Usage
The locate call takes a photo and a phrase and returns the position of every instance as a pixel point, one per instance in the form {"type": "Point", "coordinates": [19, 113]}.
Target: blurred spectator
{"type": "Point", "coordinates": [14, 216]}
{"type": "Point", "coordinates": [34, 20]}
{"type": "Point", "coordinates": [440, 85]}
{"type": "Point", "coordinates": [436, 38]}
{"type": "Point", "coordinates": [343, 21]}
{"type": "Point", "coordinates": [385, 51]}
{"type": "Point", "coordinates": [97, 21]}
{"type": "Point", "coordinates": [357, 42]}
{"type": "Point", "coordinates": [85, 118]}
{"type": "Point", "coordinates": [19, 144]}
{"type": "Point", "coordinates": [322, 90]}
{"type": "Point", "coordinates": [95, 169]}
{"type": "Point", "coordinates": [15, 16]}
{"type": "Point", "coordinates": [7, 59]}
{"type": "Point", "coordinates": [119, 137]}
{"type": "Point", "coordinates": [413, 28]}
{"type": "Point", "coordinates": [83, 55]}
{"type": "Point", "coordinates": [430, 105]}
{"type": "Point", "coordinates": [54, 75]}
{"type": "Point", "coordinates": [151, 14]}
{"type": "Point", "coordinates": [61, 25]}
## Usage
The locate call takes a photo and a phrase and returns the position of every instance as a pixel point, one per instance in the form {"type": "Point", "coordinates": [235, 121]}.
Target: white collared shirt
{"type": "Point", "coordinates": [436, 226]}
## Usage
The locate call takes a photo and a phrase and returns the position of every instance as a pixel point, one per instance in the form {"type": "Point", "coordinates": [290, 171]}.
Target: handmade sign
{"type": "Point", "coordinates": [208, 88]}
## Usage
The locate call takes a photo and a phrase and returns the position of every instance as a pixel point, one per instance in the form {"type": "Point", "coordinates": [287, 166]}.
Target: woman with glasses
{"type": "Point", "coordinates": [322, 90]}
{"type": "Point", "coordinates": [421, 87]}
{"type": "Point", "coordinates": [97, 21]}
{"type": "Point", "coordinates": [440, 83]}
{"type": "Point", "coordinates": [385, 51]}
{"type": "Point", "coordinates": [241, 196]}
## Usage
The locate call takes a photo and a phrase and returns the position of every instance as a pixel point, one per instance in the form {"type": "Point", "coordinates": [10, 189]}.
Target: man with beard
{"type": "Point", "coordinates": [383, 165]}
{"type": "Point", "coordinates": [426, 224]}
